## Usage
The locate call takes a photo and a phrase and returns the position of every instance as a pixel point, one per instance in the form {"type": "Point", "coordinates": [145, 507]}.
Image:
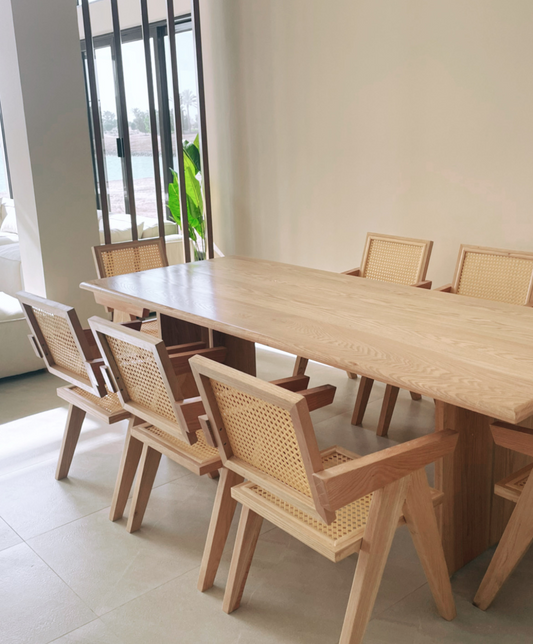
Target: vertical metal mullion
{"type": "Point", "coordinates": [206, 178]}
{"type": "Point", "coordinates": [179, 133]}
{"type": "Point", "coordinates": [98, 139]}
{"type": "Point", "coordinates": [91, 132]}
{"type": "Point", "coordinates": [123, 116]}
{"type": "Point", "coordinates": [164, 112]}
{"type": "Point", "coordinates": [153, 118]}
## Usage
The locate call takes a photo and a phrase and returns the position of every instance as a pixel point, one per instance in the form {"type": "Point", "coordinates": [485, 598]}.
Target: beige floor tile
{"type": "Point", "coordinates": [106, 566]}
{"type": "Point", "coordinates": [95, 632]}
{"type": "Point", "coordinates": [33, 502]}
{"type": "Point", "coordinates": [36, 606]}
{"type": "Point", "coordinates": [8, 537]}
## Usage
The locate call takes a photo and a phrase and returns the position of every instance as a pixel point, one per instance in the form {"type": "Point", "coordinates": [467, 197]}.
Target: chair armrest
{"type": "Point", "coordinates": [183, 348]}
{"type": "Point", "coordinates": [318, 397]}
{"type": "Point", "coordinates": [447, 288]}
{"type": "Point", "coordinates": [340, 485]}
{"type": "Point", "coordinates": [293, 383]}
{"type": "Point", "coordinates": [180, 361]}
{"type": "Point", "coordinates": [133, 324]}
{"type": "Point", "coordinates": [423, 284]}
{"type": "Point", "coordinates": [89, 336]}
{"type": "Point", "coordinates": [355, 272]}
{"type": "Point", "coordinates": [188, 412]}
{"type": "Point", "coordinates": [513, 437]}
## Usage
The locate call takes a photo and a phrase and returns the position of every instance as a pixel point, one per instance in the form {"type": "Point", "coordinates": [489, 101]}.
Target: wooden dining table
{"type": "Point", "coordinates": [473, 356]}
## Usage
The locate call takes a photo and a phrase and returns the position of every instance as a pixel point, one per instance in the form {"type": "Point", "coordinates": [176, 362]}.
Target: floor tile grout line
{"type": "Point", "coordinates": [72, 631]}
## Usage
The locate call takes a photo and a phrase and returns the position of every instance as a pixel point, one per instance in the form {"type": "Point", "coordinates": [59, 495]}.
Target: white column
{"type": "Point", "coordinates": [47, 139]}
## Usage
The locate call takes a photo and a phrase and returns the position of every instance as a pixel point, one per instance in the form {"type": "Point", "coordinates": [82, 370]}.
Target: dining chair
{"type": "Point", "coordinates": [131, 257]}
{"type": "Point", "coordinates": [493, 274]}
{"type": "Point", "coordinates": [70, 352]}
{"type": "Point", "coordinates": [332, 500]}
{"type": "Point", "coordinates": [161, 394]}
{"type": "Point", "coordinates": [518, 535]}
{"type": "Point", "coordinates": [386, 258]}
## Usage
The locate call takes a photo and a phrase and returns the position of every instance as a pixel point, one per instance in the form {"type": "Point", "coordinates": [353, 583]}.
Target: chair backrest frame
{"type": "Point", "coordinates": [103, 329]}
{"type": "Point", "coordinates": [204, 371]}
{"type": "Point", "coordinates": [93, 383]}
{"type": "Point", "coordinates": [425, 247]}
{"type": "Point", "coordinates": [100, 251]}
{"type": "Point", "coordinates": [465, 249]}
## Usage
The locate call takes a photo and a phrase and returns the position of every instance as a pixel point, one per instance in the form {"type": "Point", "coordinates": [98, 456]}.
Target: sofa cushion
{"type": "Point", "coordinates": [10, 269]}
{"type": "Point", "coordinates": [9, 223]}
{"type": "Point", "coordinates": [120, 225]}
{"type": "Point", "coordinates": [6, 205]}
{"type": "Point", "coordinates": [8, 238]}
{"type": "Point", "coordinates": [17, 353]}
{"type": "Point", "coordinates": [151, 227]}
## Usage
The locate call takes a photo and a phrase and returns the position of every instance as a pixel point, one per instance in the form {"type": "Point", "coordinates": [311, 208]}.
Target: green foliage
{"type": "Point", "coordinates": [195, 202]}
{"type": "Point", "coordinates": [141, 120]}
{"type": "Point", "coordinates": [109, 121]}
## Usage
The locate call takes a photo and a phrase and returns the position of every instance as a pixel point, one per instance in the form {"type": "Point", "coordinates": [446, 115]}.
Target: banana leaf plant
{"type": "Point", "coordinates": [195, 202]}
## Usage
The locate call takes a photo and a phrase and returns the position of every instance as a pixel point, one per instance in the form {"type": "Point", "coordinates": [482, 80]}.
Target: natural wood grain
{"type": "Point", "coordinates": [468, 352]}
{"type": "Point", "coordinates": [387, 409]}
{"type": "Point", "coordinates": [223, 511]}
{"type": "Point", "coordinates": [70, 440]}
{"type": "Point", "coordinates": [144, 481]}
{"type": "Point", "coordinates": [361, 402]}
{"type": "Point", "coordinates": [339, 485]}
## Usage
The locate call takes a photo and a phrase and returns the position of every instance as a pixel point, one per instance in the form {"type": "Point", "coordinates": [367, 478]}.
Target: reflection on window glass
{"type": "Point", "coordinates": [188, 88]}
{"type": "Point", "coordinates": [108, 109]}
{"type": "Point", "coordinates": [142, 161]}
{"type": "Point", "coordinates": [4, 184]}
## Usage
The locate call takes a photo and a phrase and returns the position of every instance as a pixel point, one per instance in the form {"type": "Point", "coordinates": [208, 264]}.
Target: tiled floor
{"type": "Point", "coordinates": [68, 575]}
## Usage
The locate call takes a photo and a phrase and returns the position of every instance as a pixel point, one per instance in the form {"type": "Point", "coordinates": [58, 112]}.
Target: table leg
{"type": "Point", "coordinates": [174, 331]}
{"type": "Point", "coordinates": [471, 518]}
{"type": "Point", "coordinates": [240, 353]}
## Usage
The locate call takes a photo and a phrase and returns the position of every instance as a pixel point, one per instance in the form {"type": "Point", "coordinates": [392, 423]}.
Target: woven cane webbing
{"type": "Point", "coordinates": [142, 378]}
{"type": "Point", "coordinates": [200, 451]}
{"type": "Point", "coordinates": [393, 261]}
{"type": "Point", "coordinates": [61, 342]}
{"type": "Point", "coordinates": [349, 518]}
{"type": "Point", "coordinates": [131, 260]}
{"type": "Point", "coordinates": [495, 277]}
{"type": "Point", "coordinates": [110, 403]}
{"type": "Point", "coordinates": [262, 435]}
{"type": "Point", "coordinates": [151, 327]}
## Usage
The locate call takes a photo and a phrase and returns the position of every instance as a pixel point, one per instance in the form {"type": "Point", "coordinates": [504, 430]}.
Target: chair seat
{"type": "Point", "coordinates": [107, 408]}
{"type": "Point", "coordinates": [199, 458]}
{"type": "Point", "coordinates": [511, 487]}
{"type": "Point", "coordinates": [151, 327]}
{"type": "Point", "coordinates": [335, 541]}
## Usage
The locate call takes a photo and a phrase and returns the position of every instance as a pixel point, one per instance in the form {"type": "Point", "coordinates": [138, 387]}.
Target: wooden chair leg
{"type": "Point", "coordinates": [379, 532]}
{"type": "Point", "coordinates": [415, 396]}
{"type": "Point", "coordinates": [247, 535]}
{"type": "Point", "coordinates": [223, 511]}
{"type": "Point", "coordinates": [126, 474]}
{"type": "Point", "coordinates": [513, 546]}
{"type": "Point", "coordinates": [363, 394]}
{"type": "Point", "coordinates": [213, 475]}
{"type": "Point", "coordinates": [352, 376]}
{"type": "Point", "coordinates": [387, 409]}
{"type": "Point", "coordinates": [144, 482]}
{"type": "Point", "coordinates": [422, 522]}
{"type": "Point", "coordinates": [70, 440]}
{"type": "Point", "coordinates": [300, 366]}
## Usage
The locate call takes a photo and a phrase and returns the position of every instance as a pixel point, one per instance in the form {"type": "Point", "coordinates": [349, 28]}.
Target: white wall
{"type": "Point", "coordinates": [330, 119]}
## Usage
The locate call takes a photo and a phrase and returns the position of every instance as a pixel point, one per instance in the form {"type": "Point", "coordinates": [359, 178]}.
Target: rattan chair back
{"type": "Point", "coordinates": [129, 257]}
{"type": "Point", "coordinates": [57, 337]}
{"type": "Point", "coordinates": [140, 371]}
{"type": "Point", "coordinates": [395, 259]}
{"type": "Point", "coordinates": [494, 274]}
{"type": "Point", "coordinates": [263, 432]}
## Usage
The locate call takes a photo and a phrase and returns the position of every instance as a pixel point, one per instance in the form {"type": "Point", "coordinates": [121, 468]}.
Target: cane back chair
{"type": "Point", "coordinates": [493, 274]}
{"type": "Point", "coordinates": [70, 352]}
{"type": "Point", "coordinates": [334, 501]}
{"type": "Point", "coordinates": [518, 535]}
{"type": "Point", "coordinates": [131, 257]}
{"type": "Point", "coordinates": [386, 258]}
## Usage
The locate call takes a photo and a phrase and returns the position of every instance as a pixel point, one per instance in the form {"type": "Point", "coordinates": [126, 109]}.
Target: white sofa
{"type": "Point", "coordinates": [11, 280]}
{"type": "Point", "coordinates": [16, 353]}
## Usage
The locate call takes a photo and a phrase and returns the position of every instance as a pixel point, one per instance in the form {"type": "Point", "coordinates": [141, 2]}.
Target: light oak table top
{"type": "Point", "coordinates": [472, 353]}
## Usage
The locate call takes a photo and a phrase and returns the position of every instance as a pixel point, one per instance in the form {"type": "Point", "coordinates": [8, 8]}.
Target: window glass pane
{"type": "Point", "coordinates": [136, 86]}
{"type": "Point", "coordinates": [108, 110]}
